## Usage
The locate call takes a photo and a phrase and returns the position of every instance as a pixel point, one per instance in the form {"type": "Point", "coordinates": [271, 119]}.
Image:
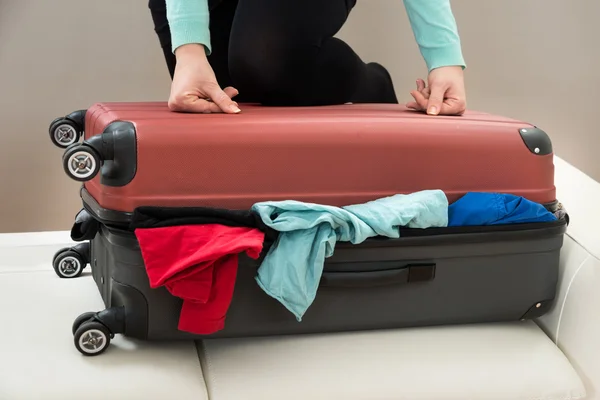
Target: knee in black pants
{"type": "Point", "coordinates": [276, 71]}
{"type": "Point", "coordinates": [264, 74]}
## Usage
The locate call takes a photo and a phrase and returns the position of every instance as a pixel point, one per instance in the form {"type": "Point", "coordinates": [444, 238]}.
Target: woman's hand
{"type": "Point", "coordinates": [195, 88]}
{"type": "Point", "coordinates": [445, 94]}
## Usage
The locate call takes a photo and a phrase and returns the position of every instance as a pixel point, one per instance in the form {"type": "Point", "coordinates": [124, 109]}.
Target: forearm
{"type": "Point", "coordinates": [189, 23]}
{"type": "Point", "coordinates": [435, 31]}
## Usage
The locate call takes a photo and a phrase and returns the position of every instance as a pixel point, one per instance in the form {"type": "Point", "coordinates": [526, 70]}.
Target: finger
{"type": "Point", "coordinates": [436, 100]}
{"type": "Point", "coordinates": [231, 92]}
{"type": "Point", "coordinates": [221, 99]}
{"type": "Point", "coordinates": [425, 93]}
{"type": "Point", "coordinates": [191, 105]}
{"type": "Point", "coordinates": [419, 99]}
{"type": "Point", "coordinates": [413, 105]}
{"type": "Point", "coordinates": [453, 107]}
{"type": "Point", "coordinates": [215, 109]}
{"type": "Point", "coordinates": [422, 87]}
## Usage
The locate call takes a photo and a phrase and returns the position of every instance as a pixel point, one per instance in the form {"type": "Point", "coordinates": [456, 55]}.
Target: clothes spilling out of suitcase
{"type": "Point", "coordinates": [306, 220]}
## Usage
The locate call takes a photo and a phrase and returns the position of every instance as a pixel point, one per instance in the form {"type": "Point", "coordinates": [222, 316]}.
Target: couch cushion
{"type": "Point", "coordinates": [579, 194]}
{"type": "Point", "coordinates": [39, 360]}
{"type": "Point", "coordinates": [498, 361]}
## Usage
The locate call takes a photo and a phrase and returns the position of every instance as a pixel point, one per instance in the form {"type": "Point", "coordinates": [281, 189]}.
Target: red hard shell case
{"type": "Point", "coordinates": [335, 155]}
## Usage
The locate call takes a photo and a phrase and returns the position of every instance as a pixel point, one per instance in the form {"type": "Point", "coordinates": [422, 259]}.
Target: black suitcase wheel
{"type": "Point", "coordinates": [81, 162]}
{"type": "Point", "coordinates": [64, 132]}
{"type": "Point", "coordinates": [68, 264]}
{"type": "Point", "coordinates": [91, 338]}
{"type": "Point", "coordinates": [81, 319]}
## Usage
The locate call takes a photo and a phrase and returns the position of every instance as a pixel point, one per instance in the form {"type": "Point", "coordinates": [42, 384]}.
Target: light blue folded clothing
{"type": "Point", "coordinates": [292, 268]}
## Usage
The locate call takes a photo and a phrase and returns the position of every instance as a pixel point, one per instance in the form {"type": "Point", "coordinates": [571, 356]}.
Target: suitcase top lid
{"type": "Point", "coordinates": [326, 127]}
{"type": "Point", "coordinates": [347, 115]}
{"type": "Point", "coordinates": [336, 155]}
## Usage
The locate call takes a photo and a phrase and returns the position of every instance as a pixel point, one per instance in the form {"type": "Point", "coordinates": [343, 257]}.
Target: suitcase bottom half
{"type": "Point", "coordinates": [495, 274]}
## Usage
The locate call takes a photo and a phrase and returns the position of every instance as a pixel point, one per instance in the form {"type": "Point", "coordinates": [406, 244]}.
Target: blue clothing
{"type": "Point", "coordinates": [292, 268]}
{"type": "Point", "coordinates": [476, 209]}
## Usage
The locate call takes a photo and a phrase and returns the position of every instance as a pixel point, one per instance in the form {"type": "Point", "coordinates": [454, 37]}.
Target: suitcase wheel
{"type": "Point", "coordinates": [92, 338]}
{"type": "Point", "coordinates": [68, 263]}
{"type": "Point", "coordinates": [81, 319]}
{"type": "Point", "coordinates": [64, 132]}
{"type": "Point", "coordinates": [81, 162]}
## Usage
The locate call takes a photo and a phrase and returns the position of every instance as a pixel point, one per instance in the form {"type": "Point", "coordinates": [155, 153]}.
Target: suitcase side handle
{"type": "Point", "coordinates": [407, 273]}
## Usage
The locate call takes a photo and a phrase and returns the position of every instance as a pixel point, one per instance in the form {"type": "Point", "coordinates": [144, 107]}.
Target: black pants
{"type": "Point", "coordinates": [282, 52]}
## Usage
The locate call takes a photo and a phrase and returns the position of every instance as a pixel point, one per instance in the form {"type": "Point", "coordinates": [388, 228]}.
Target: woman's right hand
{"type": "Point", "coordinates": [195, 88]}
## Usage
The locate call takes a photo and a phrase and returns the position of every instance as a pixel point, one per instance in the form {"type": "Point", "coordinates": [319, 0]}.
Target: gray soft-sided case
{"type": "Point", "coordinates": [432, 277]}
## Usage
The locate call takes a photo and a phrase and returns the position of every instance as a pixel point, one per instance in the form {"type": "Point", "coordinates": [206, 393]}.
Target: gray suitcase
{"type": "Point", "coordinates": [426, 277]}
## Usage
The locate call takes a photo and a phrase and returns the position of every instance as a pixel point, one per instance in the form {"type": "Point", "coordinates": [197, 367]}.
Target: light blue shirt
{"type": "Point", "coordinates": [292, 269]}
{"type": "Point", "coordinates": [432, 22]}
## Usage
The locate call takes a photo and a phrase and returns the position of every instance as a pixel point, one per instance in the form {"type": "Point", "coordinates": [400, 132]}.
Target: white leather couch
{"type": "Point", "coordinates": [556, 359]}
{"type": "Point", "coordinates": [574, 323]}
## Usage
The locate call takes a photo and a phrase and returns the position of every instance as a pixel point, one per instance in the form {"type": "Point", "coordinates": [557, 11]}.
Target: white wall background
{"type": "Point", "coordinates": [537, 60]}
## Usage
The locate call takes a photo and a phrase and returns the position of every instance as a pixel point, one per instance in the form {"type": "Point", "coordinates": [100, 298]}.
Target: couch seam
{"type": "Point", "coordinates": [209, 379]}
{"type": "Point", "coordinates": [590, 253]}
{"type": "Point", "coordinates": [562, 307]}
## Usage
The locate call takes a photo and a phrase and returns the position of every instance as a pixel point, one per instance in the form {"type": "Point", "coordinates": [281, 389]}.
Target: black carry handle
{"type": "Point", "coordinates": [409, 273]}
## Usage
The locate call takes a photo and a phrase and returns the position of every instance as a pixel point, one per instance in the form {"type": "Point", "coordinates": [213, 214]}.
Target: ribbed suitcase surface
{"type": "Point", "coordinates": [336, 155]}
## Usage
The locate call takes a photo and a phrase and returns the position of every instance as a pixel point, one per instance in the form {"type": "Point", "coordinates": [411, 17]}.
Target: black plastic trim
{"type": "Point", "coordinates": [113, 318]}
{"type": "Point", "coordinates": [85, 226]}
{"type": "Point", "coordinates": [135, 307]}
{"type": "Point", "coordinates": [104, 216]}
{"type": "Point", "coordinates": [553, 206]}
{"type": "Point", "coordinates": [538, 309]}
{"type": "Point", "coordinates": [536, 140]}
{"type": "Point", "coordinates": [399, 275]}
{"type": "Point", "coordinates": [83, 249]}
{"type": "Point", "coordinates": [79, 118]}
{"type": "Point", "coordinates": [117, 146]}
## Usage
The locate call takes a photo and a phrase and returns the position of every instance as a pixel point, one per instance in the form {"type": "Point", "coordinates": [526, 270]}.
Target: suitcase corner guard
{"type": "Point", "coordinates": [538, 309]}
{"type": "Point", "coordinates": [67, 130]}
{"type": "Point", "coordinates": [113, 154]}
{"type": "Point", "coordinates": [536, 140]}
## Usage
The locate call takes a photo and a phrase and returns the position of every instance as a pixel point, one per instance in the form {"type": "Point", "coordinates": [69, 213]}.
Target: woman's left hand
{"type": "Point", "coordinates": [445, 94]}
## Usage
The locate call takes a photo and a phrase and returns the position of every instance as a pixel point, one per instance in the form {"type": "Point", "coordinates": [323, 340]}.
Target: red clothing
{"type": "Point", "coordinates": [198, 263]}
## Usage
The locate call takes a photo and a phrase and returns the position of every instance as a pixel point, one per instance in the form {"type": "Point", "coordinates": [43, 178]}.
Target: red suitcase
{"type": "Point", "coordinates": [140, 154]}
{"type": "Point", "coordinates": [330, 155]}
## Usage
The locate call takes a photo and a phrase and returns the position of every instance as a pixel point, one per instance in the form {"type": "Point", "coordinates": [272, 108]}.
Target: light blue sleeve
{"type": "Point", "coordinates": [436, 33]}
{"type": "Point", "coordinates": [432, 22]}
{"type": "Point", "coordinates": [189, 23]}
